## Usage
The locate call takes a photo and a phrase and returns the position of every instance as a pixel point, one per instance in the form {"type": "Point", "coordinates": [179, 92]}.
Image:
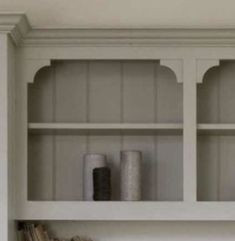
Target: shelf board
{"type": "Point", "coordinates": [127, 128]}
{"type": "Point", "coordinates": [216, 129]}
{"type": "Point", "coordinates": [106, 128]}
{"type": "Point", "coordinates": [162, 211]}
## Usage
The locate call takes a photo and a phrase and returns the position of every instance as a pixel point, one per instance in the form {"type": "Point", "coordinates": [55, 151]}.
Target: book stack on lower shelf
{"type": "Point", "coordinates": [37, 232]}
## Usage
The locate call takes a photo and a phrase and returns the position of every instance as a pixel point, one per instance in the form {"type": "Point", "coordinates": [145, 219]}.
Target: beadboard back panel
{"type": "Point", "coordinates": [216, 153]}
{"type": "Point", "coordinates": [104, 92]}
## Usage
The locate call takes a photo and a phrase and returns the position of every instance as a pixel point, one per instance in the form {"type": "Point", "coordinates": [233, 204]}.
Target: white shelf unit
{"type": "Point", "coordinates": [105, 106]}
{"type": "Point", "coordinates": [65, 92]}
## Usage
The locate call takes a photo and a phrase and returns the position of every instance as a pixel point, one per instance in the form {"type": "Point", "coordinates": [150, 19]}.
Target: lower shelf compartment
{"type": "Point", "coordinates": [55, 165]}
{"type": "Point", "coordinates": [215, 168]}
{"type": "Point", "coordinates": [129, 211]}
{"type": "Point", "coordinates": [141, 230]}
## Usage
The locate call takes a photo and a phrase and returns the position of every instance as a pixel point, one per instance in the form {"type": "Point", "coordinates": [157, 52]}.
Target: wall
{"type": "Point", "coordinates": [135, 13]}
{"type": "Point", "coordinates": [124, 13]}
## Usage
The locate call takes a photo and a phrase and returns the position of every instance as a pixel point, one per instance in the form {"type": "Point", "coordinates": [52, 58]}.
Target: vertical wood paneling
{"type": "Point", "coordinates": [168, 109]}
{"type": "Point", "coordinates": [208, 103]}
{"type": "Point", "coordinates": [68, 157]}
{"type": "Point", "coordinates": [70, 105]}
{"type": "Point", "coordinates": [226, 92]}
{"type": "Point", "coordinates": [70, 91]}
{"type": "Point", "coordinates": [104, 83]}
{"type": "Point", "coordinates": [40, 148]}
{"type": "Point", "coordinates": [138, 106]}
{"type": "Point", "coordinates": [105, 91]}
{"type": "Point", "coordinates": [215, 154]}
{"type": "Point", "coordinates": [226, 146]}
{"type": "Point", "coordinates": [227, 168]}
{"type": "Point", "coordinates": [170, 168]}
{"type": "Point", "coordinates": [138, 95]}
{"type": "Point", "coordinates": [40, 96]}
{"type": "Point", "coordinates": [208, 97]}
{"type": "Point", "coordinates": [169, 97]}
{"type": "Point", "coordinates": [41, 168]}
{"type": "Point", "coordinates": [208, 168]}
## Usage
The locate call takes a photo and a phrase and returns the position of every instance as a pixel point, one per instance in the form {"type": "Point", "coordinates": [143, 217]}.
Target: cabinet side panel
{"type": "Point", "coordinates": [7, 139]}
{"type": "Point", "coordinates": [11, 141]}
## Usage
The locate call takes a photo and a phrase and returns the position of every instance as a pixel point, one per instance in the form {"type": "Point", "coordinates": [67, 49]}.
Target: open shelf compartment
{"type": "Point", "coordinates": [216, 136]}
{"type": "Point", "coordinates": [78, 107]}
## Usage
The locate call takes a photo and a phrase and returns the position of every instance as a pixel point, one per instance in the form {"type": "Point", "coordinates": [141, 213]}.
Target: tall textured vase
{"type": "Point", "coordinates": [90, 162]}
{"type": "Point", "coordinates": [131, 175]}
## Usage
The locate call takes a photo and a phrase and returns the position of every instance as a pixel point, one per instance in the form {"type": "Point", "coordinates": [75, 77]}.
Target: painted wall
{"type": "Point", "coordinates": [124, 13]}
{"type": "Point", "coordinates": [134, 13]}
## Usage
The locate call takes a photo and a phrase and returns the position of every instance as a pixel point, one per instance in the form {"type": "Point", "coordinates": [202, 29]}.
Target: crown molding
{"type": "Point", "coordinates": [14, 24]}
{"type": "Point", "coordinates": [18, 27]}
{"type": "Point", "coordinates": [136, 37]}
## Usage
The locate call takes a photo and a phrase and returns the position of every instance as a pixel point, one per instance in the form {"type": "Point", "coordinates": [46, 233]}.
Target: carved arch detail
{"type": "Point", "coordinates": [33, 66]}
{"type": "Point", "coordinates": [176, 65]}
{"type": "Point", "coordinates": [203, 65]}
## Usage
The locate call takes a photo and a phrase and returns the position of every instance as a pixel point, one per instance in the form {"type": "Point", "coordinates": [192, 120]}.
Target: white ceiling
{"type": "Point", "coordinates": [124, 13]}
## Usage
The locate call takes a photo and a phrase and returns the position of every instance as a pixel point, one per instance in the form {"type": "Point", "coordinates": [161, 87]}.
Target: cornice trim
{"type": "Point", "coordinates": [18, 27]}
{"type": "Point", "coordinates": [146, 37]}
{"type": "Point", "coordinates": [14, 24]}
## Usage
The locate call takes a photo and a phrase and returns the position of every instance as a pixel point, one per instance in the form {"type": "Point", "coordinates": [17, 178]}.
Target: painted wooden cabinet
{"type": "Point", "coordinates": [65, 92]}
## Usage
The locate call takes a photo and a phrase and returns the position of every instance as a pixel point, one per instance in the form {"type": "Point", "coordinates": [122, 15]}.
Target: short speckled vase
{"type": "Point", "coordinates": [90, 162]}
{"type": "Point", "coordinates": [131, 175]}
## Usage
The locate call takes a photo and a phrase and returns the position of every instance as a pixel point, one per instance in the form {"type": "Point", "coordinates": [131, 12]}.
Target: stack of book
{"type": "Point", "coordinates": [32, 232]}
{"type": "Point", "coordinates": [36, 232]}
